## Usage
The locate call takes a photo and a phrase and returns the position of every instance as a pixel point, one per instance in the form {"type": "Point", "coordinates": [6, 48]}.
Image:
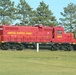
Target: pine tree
{"type": "Point", "coordinates": [24, 12]}
{"type": "Point", "coordinates": [43, 15]}
{"type": "Point", "coordinates": [7, 11]}
{"type": "Point", "coordinates": [69, 17]}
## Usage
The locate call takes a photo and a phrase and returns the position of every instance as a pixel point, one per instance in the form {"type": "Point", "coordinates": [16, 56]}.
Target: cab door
{"type": "Point", "coordinates": [58, 34]}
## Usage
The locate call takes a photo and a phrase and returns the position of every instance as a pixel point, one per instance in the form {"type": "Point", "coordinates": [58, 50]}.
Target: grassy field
{"type": "Point", "coordinates": [30, 62]}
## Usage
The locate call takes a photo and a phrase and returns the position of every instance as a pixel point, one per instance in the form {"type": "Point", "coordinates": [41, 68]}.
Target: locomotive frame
{"type": "Point", "coordinates": [22, 37]}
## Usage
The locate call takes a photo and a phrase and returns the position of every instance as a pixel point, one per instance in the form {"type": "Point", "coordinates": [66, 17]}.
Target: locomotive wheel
{"type": "Point", "coordinates": [67, 47]}
{"type": "Point", "coordinates": [70, 47]}
{"type": "Point", "coordinates": [4, 46]}
{"type": "Point", "coordinates": [55, 47]}
{"type": "Point", "coordinates": [19, 47]}
{"type": "Point", "coordinates": [74, 46]}
{"type": "Point", "coordinates": [58, 46]}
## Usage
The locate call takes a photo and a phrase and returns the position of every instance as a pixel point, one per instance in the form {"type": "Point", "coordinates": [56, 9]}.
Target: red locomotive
{"type": "Point", "coordinates": [20, 37]}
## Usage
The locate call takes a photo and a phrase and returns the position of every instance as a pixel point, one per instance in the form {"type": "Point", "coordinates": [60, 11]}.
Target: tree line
{"type": "Point", "coordinates": [23, 14]}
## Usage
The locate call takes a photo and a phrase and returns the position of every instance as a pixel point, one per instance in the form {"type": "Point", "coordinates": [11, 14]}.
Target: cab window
{"type": "Point", "coordinates": [59, 31]}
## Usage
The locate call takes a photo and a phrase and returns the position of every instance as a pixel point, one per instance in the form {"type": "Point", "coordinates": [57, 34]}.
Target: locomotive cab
{"type": "Point", "coordinates": [58, 34]}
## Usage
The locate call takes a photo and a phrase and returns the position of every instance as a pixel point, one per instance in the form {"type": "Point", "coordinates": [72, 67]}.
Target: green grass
{"type": "Point", "coordinates": [30, 62]}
